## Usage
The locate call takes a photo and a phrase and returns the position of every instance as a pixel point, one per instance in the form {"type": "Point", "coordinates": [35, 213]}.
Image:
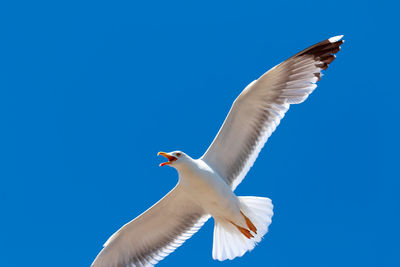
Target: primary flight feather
{"type": "Point", "coordinates": [205, 187]}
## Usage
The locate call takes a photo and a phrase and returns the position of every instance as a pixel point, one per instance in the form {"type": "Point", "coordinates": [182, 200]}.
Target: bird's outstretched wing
{"type": "Point", "coordinates": [154, 234]}
{"type": "Point", "coordinates": [257, 111]}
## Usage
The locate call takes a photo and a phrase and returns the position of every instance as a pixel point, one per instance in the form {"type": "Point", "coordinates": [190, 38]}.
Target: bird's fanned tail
{"type": "Point", "coordinates": [231, 241]}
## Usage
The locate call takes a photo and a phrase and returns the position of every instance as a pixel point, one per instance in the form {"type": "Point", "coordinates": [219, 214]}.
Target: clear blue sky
{"type": "Point", "coordinates": [92, 90]}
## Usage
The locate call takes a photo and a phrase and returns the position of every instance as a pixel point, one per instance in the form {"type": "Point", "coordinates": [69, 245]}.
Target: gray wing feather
{"type": "Point", "coordinates": [258, 110]}
{"type": "Point", "coordinates": [154, 234]}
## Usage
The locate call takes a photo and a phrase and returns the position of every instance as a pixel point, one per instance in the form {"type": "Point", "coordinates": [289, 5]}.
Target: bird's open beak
{"type": "Point", "coordinates": [168, 156]}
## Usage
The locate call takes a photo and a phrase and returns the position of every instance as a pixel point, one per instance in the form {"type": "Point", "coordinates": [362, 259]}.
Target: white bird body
{"type": "Point", "coordinates": [205, 187]}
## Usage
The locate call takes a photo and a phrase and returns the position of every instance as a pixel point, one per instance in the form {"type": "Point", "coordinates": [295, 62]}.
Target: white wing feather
{"type": "Point", "coordinates": [154, 234]}
{"type": "Point", "coordinates": [258, 110]}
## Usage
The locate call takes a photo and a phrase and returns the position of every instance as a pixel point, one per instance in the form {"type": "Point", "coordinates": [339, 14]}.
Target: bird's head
{"type": "Point", "coordinates": [174, 158]}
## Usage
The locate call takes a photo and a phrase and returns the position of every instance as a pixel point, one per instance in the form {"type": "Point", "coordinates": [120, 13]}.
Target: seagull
{"type": "Point", "coordinates": [206, 185]}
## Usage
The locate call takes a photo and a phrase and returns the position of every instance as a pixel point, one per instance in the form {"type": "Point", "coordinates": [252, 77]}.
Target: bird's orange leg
{"type": "Point", "coordinates": [249, 223]}
{"type": "Point", "coordinates": [244, 231]}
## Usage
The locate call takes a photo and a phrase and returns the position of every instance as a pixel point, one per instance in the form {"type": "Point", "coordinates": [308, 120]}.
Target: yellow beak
{"type": "Point", "coordinates": [168, 156]}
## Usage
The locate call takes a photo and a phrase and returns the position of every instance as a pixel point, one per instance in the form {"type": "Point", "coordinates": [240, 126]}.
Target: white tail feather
{"type": "Point", "coordinates": [229, 242]}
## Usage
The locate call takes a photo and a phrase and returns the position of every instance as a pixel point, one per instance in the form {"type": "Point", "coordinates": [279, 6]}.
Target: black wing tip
{"type": "Point", "coordinates": [324, 52]}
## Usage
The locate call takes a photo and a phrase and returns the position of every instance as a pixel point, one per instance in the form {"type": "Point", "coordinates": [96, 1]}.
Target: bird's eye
{"type": "Point", "coordinates": [178, 154]}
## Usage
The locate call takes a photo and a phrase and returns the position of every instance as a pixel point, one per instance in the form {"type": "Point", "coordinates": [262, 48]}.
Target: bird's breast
{"type": "Point", "coordinates": [210, 191]}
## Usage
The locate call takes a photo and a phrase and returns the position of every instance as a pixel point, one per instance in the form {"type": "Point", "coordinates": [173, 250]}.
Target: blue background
{"type": "Point", "coordinates": [91, 91]}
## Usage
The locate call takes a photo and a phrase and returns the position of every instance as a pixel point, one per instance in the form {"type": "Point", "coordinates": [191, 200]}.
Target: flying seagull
{"type": "Point", "coordinates": [205, 187]}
